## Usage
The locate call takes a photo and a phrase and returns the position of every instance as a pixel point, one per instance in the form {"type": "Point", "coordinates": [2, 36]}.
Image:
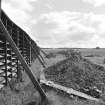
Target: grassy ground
{"type": "Point", "coordinates": [22, 96]}
{"type": "Point", "coordinates": [76, 71]}
{"type": "Point", "coordinates": [26, 92]}
{"type": "Point", "coordinates": [69, 79]}
{"type": "Point", "coordinates": [58, 99]}
{"type": "Point", "coordinates": [96, 55]}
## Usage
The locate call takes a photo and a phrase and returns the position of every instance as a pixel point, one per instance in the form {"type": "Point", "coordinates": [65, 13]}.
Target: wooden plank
{"type": "Point", "coordinates": [68, 90]}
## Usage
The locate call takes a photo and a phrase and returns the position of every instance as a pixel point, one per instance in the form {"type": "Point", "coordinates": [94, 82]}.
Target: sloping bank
{"type": "Point", "coordinates": [77, 72]}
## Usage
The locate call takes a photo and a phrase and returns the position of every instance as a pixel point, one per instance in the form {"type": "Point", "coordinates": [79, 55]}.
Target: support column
{"type": "Point", "coordinates": [17, 61]}
{"type": "Point", "coordinates": [6, 69]}
{"type": "Point", "coordinates": [6, 76]}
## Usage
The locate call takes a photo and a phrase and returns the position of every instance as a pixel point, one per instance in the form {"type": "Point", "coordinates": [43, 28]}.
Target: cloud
{"type": "Point", "coordinates": [54, 28]}
{"type": "Point", "coordinates": [70, 29]}
{"type": "Point", "coordinates": [22, 5]}
{"type": "Point", "coordinates": [19, 12]}
{"type": "Point", "coordinates": [95, 3]}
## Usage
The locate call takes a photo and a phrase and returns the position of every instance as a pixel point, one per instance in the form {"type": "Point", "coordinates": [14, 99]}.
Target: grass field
{"type": "Point", "coordinates": [96, 55]}
{"type": "Point", "coordinates": [27, 92]}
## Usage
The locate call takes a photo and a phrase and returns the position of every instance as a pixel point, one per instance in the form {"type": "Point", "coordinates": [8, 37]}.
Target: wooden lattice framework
{"type": "Point", "coordinates": [9, 63]}
{"type": "Point", "coordinates": [17, 52]}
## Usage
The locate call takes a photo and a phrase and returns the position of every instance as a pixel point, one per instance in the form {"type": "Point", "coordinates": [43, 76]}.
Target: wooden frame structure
{"type": "Point", "coordinates": [17, 52]}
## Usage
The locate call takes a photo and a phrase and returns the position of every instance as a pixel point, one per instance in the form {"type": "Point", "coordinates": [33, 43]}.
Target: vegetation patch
{"type": "Point", "coordinates": [77, 72]}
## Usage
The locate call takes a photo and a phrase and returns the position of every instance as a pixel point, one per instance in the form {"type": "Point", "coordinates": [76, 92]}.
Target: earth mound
{"type": "Point", "coordinates": [77, 72]}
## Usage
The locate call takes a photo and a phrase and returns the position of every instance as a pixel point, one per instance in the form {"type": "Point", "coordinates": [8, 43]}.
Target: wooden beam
{"type": "Point", "coordinates": [35, 53]}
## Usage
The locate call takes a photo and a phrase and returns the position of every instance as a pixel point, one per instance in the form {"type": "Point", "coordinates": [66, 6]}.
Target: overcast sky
{"type": "Point", "coordinates": [60, 23]}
